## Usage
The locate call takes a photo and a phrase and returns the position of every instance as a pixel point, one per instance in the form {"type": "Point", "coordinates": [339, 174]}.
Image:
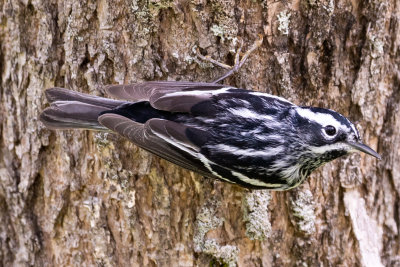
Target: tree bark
{"type": "Point", "coordinates": [88, 198]}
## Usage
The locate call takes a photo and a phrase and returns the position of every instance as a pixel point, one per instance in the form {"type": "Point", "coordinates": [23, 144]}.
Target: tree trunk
{"type": "Point", "coordinates": [89, 198]}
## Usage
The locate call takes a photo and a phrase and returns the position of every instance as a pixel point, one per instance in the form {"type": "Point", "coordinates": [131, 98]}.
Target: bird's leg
{"type": "Point", "coordinates": [238, 61]}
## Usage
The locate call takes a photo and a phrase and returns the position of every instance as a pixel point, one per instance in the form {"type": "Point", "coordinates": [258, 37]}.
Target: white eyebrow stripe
{"type": "Point", "coordinates": [320, 118]}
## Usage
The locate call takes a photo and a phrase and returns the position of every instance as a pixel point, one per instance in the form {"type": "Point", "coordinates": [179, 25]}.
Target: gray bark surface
{"type": "Point", "coordinates": [80, 198]}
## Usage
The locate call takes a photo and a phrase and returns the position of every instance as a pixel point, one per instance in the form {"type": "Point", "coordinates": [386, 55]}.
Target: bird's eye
{"type": "Point", "coordinates": [330, 130]}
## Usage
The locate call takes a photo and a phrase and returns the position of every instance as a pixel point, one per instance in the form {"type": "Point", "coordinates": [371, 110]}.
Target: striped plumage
{"type": "Point", "coordinates": [252, 139]}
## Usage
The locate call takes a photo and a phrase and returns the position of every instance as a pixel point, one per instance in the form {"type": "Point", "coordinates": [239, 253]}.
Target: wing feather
{"type": "Point", "coordinates": [161, 137]}
{"type": "Point", "coordinates": [143, 91]}
{"type": "Point", "coordinates": [172, 141]}
{"type": "Point", "coordinates": [167, 96]}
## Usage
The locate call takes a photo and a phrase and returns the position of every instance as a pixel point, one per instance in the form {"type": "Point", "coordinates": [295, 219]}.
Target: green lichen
{"type": "Point", "coordinates": [155, 6]}
{"type": "Point", "coordinates": [302, 207]}
{"type": "Point", "coordinates": [225, 24]}
{"type": "Point", "coordinates": [284, 20]}
{"type": "Point", "coordinates": [218, 31]}
{"type": "Point", "coordinates": [189, 59]}
{"type": "Point", "coordinates": [330, 7]}
{"type": "Point", "coordinates": [134, 6]}
{"type": "Point", "coordinates": [312, 2]}
{"type": "Point", "coordinates": [258, 226]}
{"type": "Point", "coordinates": [206, 221]}
{"type": "Point", "coordinates": [377, 46]}
{"type": "Point", "coordinates": [226, 255]}
{"type": "Point", "coordinates": [225, 33]}
{"type": "Point", "coordinates": [101, 140]}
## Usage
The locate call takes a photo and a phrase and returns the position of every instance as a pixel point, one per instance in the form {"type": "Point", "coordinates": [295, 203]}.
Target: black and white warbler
{"type": "Point", "coordinates": [248, 138]}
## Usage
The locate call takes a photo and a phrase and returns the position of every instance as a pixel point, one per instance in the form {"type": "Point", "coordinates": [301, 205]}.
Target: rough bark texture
{"type": "Point", "coordinates": [88, 198]}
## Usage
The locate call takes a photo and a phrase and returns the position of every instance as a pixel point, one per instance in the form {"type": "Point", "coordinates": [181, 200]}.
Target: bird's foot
{"type": "Point", "coordinates": [239, 61]}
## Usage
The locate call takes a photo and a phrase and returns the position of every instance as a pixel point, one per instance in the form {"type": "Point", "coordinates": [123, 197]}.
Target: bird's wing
{"type": "Point", "coordinates": [167, 139]}
{"type": "Point", "coordinates": [168, 96]}
{"type": "Point", "coordinates": [190, 97]}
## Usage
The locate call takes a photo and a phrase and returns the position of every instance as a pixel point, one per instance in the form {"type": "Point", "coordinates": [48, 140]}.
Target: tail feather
{"type": "Point", "coordinates": [62, 94]}
{"type": "Point", "coordinates": [70, 109]}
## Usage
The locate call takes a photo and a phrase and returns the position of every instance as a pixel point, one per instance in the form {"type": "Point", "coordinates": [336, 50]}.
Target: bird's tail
{"type": "Point", "coordinates": [69, 109]}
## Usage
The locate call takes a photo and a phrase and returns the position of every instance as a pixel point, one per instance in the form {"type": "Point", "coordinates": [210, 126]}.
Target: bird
{"type": "Point", "coordinates": [249, 138]}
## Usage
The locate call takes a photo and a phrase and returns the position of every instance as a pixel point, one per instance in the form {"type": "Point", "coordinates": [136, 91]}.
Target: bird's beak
{"type": "Point", "coordinates": [364, 148]}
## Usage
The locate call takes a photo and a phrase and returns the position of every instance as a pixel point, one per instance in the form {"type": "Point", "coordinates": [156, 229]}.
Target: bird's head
{"type": "Point", "coordinates": [326, 134]}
